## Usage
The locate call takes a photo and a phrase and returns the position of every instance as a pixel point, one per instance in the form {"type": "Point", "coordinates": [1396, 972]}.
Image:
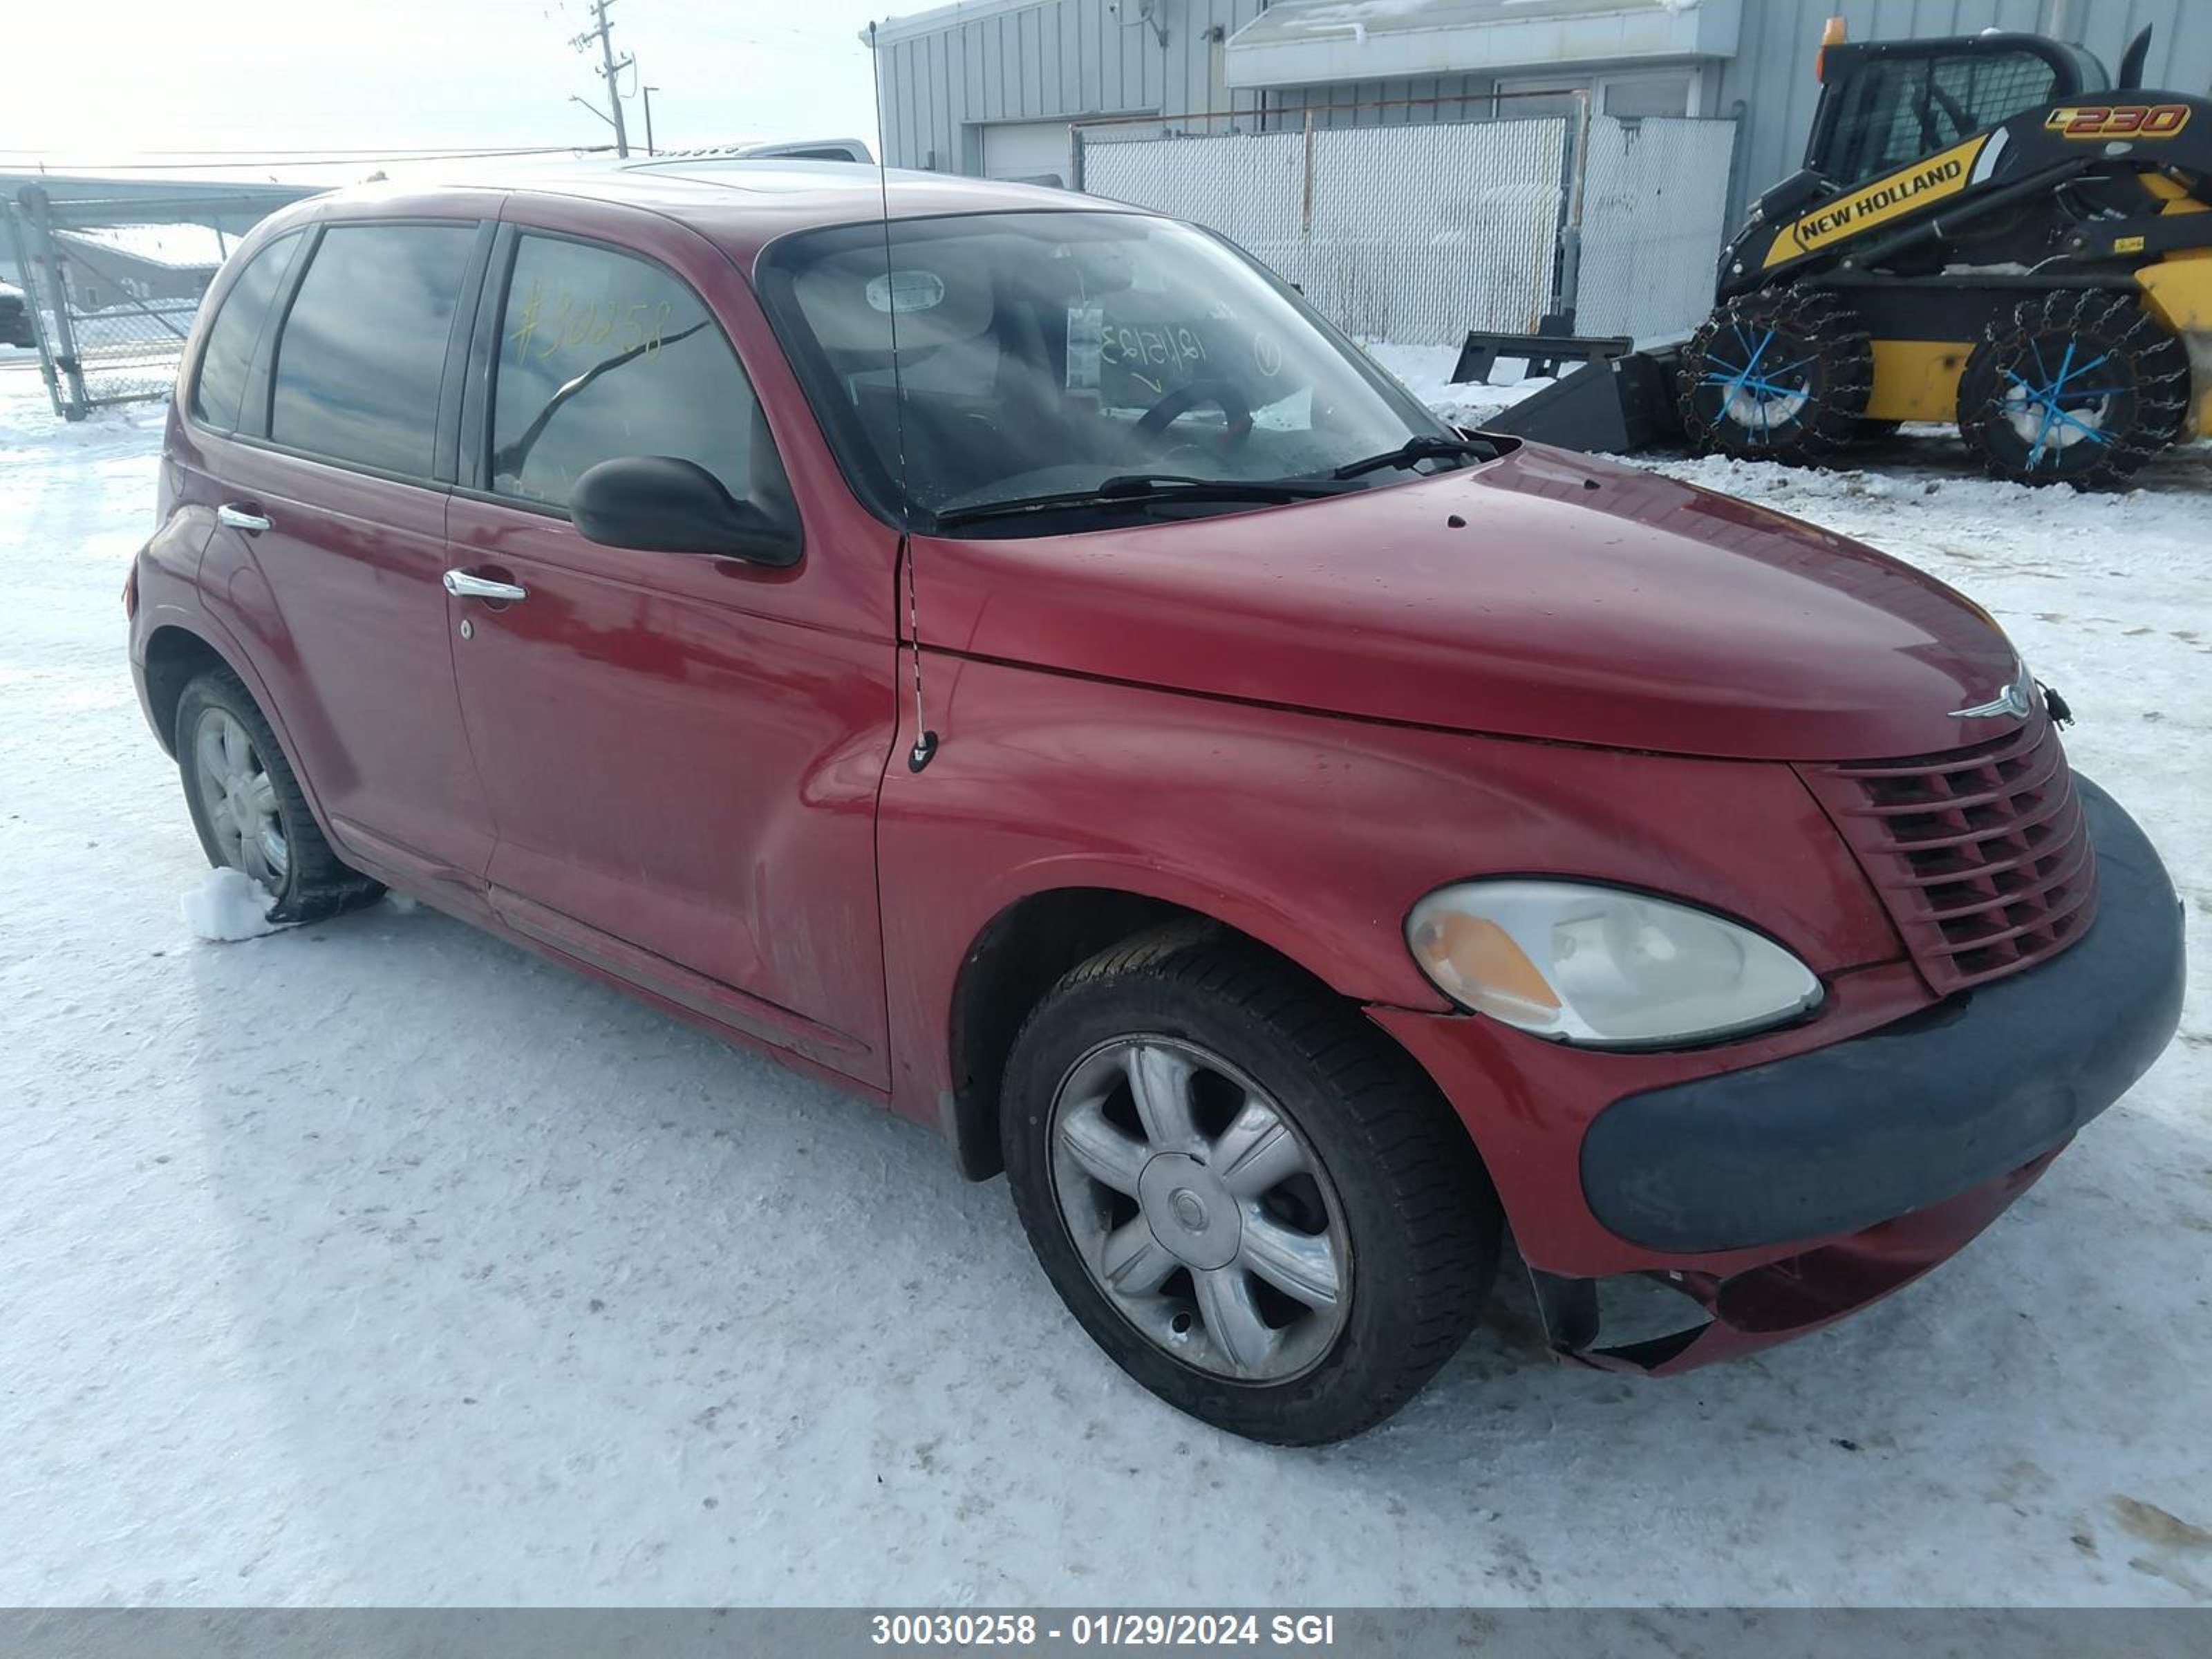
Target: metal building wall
{"type": "Point", "coordinates": [1063, 61]}
{"type": "Point", "coordinates": [1068, 59]}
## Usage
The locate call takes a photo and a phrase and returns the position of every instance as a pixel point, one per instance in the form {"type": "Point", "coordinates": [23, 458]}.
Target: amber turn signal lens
{"type": "Point", "coordinates": [1476, 961]}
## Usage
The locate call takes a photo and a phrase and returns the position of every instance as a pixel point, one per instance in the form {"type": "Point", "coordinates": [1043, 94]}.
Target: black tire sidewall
{"type": "Point", "coordinates": [223, 692]}
{"type": "Point", "coordinates": [1334, 1397]}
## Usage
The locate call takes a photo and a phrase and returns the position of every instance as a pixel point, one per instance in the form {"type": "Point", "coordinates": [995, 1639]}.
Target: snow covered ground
{"type": "Point", "coordinates": [380, 1262]}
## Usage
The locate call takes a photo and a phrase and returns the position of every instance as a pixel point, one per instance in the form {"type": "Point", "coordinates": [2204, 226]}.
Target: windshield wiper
{"type": "Point", "coordinates": [1420, 448]}
{"type": "Point", "coordinates": [1145, 489]}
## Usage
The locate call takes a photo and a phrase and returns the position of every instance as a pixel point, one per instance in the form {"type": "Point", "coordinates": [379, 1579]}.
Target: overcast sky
{"type": "Point", "coordinates": [155, 77]}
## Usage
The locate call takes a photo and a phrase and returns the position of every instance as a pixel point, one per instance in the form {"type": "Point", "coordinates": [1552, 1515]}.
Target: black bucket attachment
{"type": "Point", "coordinates": [1612, 405]}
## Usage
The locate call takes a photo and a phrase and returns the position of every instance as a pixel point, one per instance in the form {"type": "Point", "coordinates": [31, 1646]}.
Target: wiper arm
{"type": "Point", "coordinates": [1146, 488]}
{"type": "Point", "coordinates": [1420, 448]}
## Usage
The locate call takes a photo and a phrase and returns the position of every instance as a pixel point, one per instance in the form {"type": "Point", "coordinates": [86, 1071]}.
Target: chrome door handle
{"type": "Point", "coordinates": [463, 586]}
{"type": "Point", "coordinates": [241, 518]}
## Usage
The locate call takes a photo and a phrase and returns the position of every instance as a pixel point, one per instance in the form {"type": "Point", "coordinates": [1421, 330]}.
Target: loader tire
{"type": "Point", "coordinates": [1779, 375]}
{"type": "Point", "coordinates": [2078, 387]}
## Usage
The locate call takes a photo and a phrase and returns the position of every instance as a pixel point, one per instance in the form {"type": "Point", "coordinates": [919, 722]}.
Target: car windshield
{"type": "Point", "coordinates": [1047, 355]}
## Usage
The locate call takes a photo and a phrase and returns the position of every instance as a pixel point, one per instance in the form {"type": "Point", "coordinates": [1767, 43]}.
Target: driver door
{"type": "Point", "coordinates": [681, 764]}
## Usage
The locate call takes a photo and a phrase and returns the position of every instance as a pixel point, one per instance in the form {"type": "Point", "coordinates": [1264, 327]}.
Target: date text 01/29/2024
{"type": "Point", "coordinates": [1225, 1630]}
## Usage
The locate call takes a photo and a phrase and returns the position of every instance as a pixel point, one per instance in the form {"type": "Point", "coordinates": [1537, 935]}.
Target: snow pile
{"type": "Point", "coordinates": [228, 906]}
{"type": "Point", "coordinates": [317, 1256]}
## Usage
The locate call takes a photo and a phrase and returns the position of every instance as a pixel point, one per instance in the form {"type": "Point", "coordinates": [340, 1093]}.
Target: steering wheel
{"type": "Point", "coordinates": [1223, 394]}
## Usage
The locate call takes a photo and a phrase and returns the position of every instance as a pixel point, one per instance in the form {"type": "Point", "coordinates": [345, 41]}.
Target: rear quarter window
{"type": "Point", "coordinates": [220, 386]}
{"type": "Point", "coordinates": [363, 350]}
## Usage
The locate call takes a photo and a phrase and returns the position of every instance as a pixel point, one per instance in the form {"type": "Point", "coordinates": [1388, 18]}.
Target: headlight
{"type": "Point", "coordinates": [1603, 966]}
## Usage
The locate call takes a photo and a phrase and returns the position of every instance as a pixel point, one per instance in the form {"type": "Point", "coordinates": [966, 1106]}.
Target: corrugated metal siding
{"type": "Point", "coordinates": [1073, 58]}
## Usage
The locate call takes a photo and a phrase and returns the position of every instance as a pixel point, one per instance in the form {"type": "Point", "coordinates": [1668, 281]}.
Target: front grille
{"type": "Point", "coordinates": [1981, 855]}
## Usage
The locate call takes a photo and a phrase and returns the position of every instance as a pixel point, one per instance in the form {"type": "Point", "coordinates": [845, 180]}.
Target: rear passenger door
{"type": "Point", "coordinates": [331, 547]}
{"type": "Point", "coordinates": [681, 751]}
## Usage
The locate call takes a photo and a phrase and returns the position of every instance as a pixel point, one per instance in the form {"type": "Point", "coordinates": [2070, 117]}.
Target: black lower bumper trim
{"type": "Point", "coordinates": [1850, 1135]}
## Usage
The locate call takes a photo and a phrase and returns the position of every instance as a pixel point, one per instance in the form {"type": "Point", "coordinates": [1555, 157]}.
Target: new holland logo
{"type": "Point", "coordinates": [1884, 199]}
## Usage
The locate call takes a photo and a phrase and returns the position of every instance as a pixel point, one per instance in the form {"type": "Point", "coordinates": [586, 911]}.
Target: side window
{"type": "Point", "coordinates": [220, 383]}
{"type": "Point", "coordinates": [1898, 110]}
{"type": "Point", "coordinates": [602, 354]}
{"type": "Point", "coordinates": [363, 350]}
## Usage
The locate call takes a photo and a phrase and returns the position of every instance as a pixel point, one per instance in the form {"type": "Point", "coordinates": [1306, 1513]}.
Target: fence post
{"type": "Point", "coordinates": [58, 355]}
{"type": "Point", "coordinates": [18, 242]}
{"type": "Point", "coordinates": [1571, 234]}
{"type": "Point", "coordinates": [1305, 219]}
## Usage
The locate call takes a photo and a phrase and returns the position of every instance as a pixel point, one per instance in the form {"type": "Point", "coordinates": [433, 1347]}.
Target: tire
{"type": "Point", "coordinates": [2093, 434]}
{"type": "Point", "coordinates": [244, 777]}
{"type": "Point", "coordinates": [1811, 368]}
{"type": "Point", "coordinates": [1312, 1147]}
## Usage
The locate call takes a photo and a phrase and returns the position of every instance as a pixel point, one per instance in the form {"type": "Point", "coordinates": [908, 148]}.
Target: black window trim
{"type": "Point", "coordinates": [2069, 67]}
{"type": "Point", "coordinates": [472, 476]}
{"type": "Point", "coordinates": [255, 406]}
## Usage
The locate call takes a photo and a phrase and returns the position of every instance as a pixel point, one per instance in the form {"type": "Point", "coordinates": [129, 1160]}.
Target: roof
{"type": "Point", "coordinates": [742, 205]}
{"type": "Point", "coordinates": [893, 30]}
{"type": "Point", "coordinates": [179, 246]}
{"type": "Point", "coordinates": [1315, 42]}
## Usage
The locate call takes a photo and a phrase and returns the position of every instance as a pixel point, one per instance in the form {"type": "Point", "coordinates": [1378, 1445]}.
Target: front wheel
{"type": "Point", "coordinates": [1782, 374]}
{"type": "Point", "coordinates": [1255, 1204]}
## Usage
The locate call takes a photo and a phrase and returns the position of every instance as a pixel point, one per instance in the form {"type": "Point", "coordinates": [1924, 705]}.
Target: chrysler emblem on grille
{"type": "Point", "coordinates": [2017, 700]}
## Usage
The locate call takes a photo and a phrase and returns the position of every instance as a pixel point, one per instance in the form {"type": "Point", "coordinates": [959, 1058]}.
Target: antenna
{"type": "Point", "coordinates": [925, 740]}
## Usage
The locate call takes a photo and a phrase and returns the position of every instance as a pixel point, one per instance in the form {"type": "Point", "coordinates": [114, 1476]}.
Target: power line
{"type": "Point", "coordinates": [46, 162]}
{"type": "Point", "coordinates": [337, 152]}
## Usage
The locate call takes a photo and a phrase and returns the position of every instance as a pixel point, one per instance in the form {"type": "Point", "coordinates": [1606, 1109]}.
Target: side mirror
{"type": "Point", "coordinates": [659, 504]}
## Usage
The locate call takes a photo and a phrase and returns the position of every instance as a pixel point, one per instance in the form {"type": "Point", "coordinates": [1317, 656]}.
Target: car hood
{"type": "Point", "coordinates": [1542, 595]}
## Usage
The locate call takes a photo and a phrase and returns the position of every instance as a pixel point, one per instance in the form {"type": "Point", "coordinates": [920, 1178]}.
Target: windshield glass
{"type": "Point", "coordinates": [1045, 353]}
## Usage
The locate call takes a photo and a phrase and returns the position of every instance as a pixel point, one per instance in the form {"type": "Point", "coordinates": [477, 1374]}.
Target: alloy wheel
{"type": "Point", "coordinates": [241, 799]}
{"type": "Point", "coordinates": [1200, 1210]}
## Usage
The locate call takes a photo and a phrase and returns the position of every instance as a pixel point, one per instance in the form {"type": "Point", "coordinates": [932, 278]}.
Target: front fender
{"type": "Point", "coordinates": [1310, 833]}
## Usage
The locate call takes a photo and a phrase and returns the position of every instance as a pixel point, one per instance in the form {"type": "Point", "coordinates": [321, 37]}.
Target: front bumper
{"type": "Point", "coordinates": [1915, 1113]}
{"type": "Point", "coordinates": [1781, 1187]}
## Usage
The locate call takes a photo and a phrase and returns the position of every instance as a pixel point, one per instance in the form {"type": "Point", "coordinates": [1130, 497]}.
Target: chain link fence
{"type": "Point", "coordinates": [112, 283]}
{"type": "Point", "coordinates": [1654, 214]}
{"type": "Point", "coordinates": [1418, 232]}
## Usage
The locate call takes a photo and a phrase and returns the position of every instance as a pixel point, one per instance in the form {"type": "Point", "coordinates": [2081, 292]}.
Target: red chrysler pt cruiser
{"type": "Point", "coordinates": [1003, 652]}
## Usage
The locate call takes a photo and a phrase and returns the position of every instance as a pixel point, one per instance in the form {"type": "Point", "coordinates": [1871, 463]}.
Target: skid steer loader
{"type": "Point", "coordinates": [1988, 230]}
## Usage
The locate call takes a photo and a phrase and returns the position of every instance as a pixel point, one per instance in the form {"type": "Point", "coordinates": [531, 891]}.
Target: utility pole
{"type": "Point", "coordinates": [648, 92]}
{"type": "Point", "coordinates": [603, 31]}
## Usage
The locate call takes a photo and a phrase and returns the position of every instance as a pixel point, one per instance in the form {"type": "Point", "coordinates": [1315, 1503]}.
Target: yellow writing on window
{"type": "Point", "coordinates": [551, 324]}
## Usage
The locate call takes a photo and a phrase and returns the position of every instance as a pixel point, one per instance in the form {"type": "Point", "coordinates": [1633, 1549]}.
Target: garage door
{"type": "Point", "coordinates": [1033, 152]}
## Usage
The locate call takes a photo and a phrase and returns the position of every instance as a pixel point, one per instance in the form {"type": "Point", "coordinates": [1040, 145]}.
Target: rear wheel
{"type": "Point", "coordinates": [1782, 374]}
{"type": "Point", "coordinates": [1257, 1206]}
{"type": "Point", "coordinates": [247, 807]}
{"type": "Point", "coordinates": [2079, 388]}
